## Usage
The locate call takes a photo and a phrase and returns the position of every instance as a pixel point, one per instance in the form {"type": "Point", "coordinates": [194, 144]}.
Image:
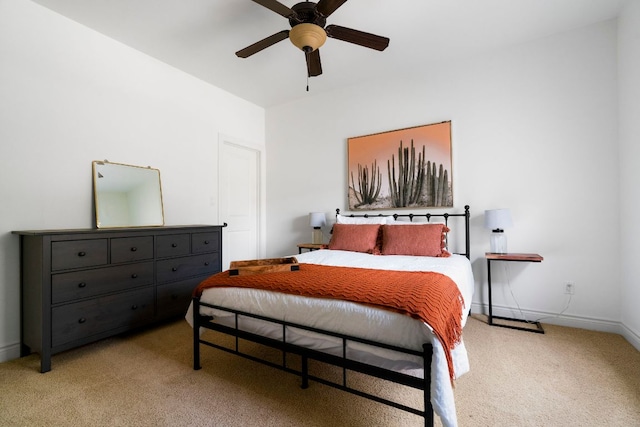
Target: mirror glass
{"type": "Point", "coordinates": [126, 195]}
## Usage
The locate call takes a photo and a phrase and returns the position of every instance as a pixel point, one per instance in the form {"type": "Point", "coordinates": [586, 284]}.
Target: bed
{"type": "Point", "coordinates": [392, 344]}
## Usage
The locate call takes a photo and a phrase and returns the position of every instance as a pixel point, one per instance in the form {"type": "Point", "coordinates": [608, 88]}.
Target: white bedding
{"type": "Point", "coordinates": [357, 320]}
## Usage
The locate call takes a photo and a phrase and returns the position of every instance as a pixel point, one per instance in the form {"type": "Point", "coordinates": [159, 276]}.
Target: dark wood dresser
{"type": "Point", "coordinates": [80, 286]}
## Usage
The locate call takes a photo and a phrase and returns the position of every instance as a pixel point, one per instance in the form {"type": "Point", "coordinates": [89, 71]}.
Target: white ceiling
{"type": "Point", "coordinates": [201, 37]}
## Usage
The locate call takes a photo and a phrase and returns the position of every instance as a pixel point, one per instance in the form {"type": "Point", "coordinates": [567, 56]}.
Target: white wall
{"type": "Point", "coordinates": [629, 70]}
{"type": "Point", "coordinates": [69, 95]}
{"type": "Point", "coordinates": [534, 129]}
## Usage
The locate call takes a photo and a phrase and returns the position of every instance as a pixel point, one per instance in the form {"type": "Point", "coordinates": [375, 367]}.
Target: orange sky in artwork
{"type": "Point", "coordinates": [436, 138]}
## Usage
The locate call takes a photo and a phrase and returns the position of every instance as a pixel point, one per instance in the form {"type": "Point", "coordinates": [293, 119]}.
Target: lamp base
{"type": "Point", "coordinates": [498, 242]}
{"type": "Point", "coordinates": [316, 236]}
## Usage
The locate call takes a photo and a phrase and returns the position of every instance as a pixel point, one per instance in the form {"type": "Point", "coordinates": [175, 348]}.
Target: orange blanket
{"type": "Point", "coordinates": [431, 297]}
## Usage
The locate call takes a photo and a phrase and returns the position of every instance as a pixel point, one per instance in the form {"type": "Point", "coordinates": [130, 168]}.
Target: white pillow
{"type": "Point", "coordinates": [416, 221]}
{"type": "Point", "coordinates": [343, 219]}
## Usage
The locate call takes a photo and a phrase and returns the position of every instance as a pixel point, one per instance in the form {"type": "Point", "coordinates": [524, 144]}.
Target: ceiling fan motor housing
{"type": "Point", "coordinates": [306, 12]}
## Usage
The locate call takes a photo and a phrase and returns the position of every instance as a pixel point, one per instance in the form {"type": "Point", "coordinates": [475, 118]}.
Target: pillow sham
{"type": "Point", "coordinates": [342, 219]}
{"type": "Point", "coordinates": [356, 238]}
{"type": "Point", "coordinates": [418, 240]}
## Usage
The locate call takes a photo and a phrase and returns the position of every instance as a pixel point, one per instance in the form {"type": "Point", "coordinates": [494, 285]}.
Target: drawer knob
{"type": "Point", "coordinates": [206, 242]}
{"type": "Point", "coordinates": [174, 245]}
{"type": "Point", "coordinates": [134, 307]}
{"type": "Point", "coordinates": [206, 263]}
{"type": "Point", "coordinates": [174, 269]}
{"type": "Point", "coordinates": [133, 249]}
{"type": "Point", "coordinates": [82, 253]}
{"type": "Point", "coordinates": [82, 320]}
{"type": "Point", "coordinates": [82, 285]}
{"type": "Point", "coordinates": [134, 276]}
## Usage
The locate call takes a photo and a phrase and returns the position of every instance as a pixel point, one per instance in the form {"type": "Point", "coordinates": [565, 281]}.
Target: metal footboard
{"type": "Point", "coordinates": [424, 384]}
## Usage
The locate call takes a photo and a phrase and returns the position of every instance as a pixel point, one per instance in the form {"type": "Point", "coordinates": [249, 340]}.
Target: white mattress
{"type": "Point", "coordinates": [357, 320]}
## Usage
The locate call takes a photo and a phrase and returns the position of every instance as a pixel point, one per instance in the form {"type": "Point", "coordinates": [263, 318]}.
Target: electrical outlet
{"type": "Point", "coordinates": [569, 288]}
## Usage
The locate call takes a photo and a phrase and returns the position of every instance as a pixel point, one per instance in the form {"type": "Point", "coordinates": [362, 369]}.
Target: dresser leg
{"type": "Point", "coordinates": [45, 362]}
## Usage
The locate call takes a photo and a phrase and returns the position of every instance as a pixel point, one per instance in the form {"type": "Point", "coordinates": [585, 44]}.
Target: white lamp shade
{"type": "Point", "coordinates": [497, 219]}
{"type": "Point", "coordinates": [317, 219]}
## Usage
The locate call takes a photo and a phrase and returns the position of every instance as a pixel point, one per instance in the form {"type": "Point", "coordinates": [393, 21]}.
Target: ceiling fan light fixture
{"type": "Point", "coordinates": [305, 36]}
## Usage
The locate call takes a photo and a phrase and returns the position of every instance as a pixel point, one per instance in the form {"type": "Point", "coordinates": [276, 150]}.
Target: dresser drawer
{"type": "Point", "coordinates": [205, 242]}
{"type": "Point", "coordinates": [78, 253]}
{"type": "Point", "coordinates": [89, 283]}
{"type": "Point", "coordinates": [173, 298]}
{"type": "Point", "coordinates": [174, 269]}
{"type": "Point", "coordinates": [172, 245]}
{"type": "Point", "coordinates": [83, 319]}
{"type": "Point", "coordinates": [127, 249]}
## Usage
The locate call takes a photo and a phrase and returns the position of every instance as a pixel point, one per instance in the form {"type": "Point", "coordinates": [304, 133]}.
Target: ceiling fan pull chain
{"type": "Point", "coordinates": [307, 83]}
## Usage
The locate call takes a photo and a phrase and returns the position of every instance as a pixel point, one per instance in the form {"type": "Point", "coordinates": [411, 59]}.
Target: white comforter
{"type": "Point", "coordinates": [358, 320]}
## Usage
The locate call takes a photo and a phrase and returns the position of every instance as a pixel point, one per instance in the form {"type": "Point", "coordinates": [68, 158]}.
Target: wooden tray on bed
{"type": "Point", "coordinates": [260, 266]}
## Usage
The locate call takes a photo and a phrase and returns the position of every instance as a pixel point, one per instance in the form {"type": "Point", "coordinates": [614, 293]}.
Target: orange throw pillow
{"type": "Point", "coordinates": [355, 238]}
{"type": "Point", "coordinates": [418, 240]}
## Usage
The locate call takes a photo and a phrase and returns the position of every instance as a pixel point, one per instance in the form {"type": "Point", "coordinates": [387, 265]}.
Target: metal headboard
{"type": "Point", "coordinates": [446, 215]}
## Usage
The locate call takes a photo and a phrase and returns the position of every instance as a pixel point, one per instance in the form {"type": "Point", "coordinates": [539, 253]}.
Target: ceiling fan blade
{"type": "Point", "coordinates": [277, 7]}
{"type": "Point", "coordinates": [314, 67]}
{"type": "Point", "coordinates": [357, 37]}
{"type": "Point", "coordinates": [327, 7]}
{"type": "Point", "coordinates": [262, 44]}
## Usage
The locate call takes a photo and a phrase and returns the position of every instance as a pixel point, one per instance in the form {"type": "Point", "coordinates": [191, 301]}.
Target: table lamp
{"type": "Point", "coordinates": [497, 220]}
{"type": "Point", "coordinates": [317, 220]}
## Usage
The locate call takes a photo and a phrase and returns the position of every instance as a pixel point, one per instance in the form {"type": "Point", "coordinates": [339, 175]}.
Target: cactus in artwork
{"type": "Point", "coordinates": [418, 181]}
{"type": "Point", "coordinates": [406, 188]}
{"type": "Point", "coordinates": [368, 184]}
{"type": "Point", "coordinates": [438, 190]}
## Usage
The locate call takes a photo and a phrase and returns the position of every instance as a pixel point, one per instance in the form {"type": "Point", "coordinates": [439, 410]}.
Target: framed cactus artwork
{"type": "Point", "coordinates": [401, 168]}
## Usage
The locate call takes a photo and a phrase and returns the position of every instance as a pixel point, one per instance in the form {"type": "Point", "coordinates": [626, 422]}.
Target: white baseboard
{"type": "Point", "coordinates": [9, 352]}
{"type": "Point", "coordinates": [581, 322]}
{"type": "Point", "coordinates": [631, 336]}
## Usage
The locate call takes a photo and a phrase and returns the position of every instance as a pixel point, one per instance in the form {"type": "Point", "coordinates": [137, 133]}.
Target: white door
{"type": "Point", "coordinates": [240, 193]}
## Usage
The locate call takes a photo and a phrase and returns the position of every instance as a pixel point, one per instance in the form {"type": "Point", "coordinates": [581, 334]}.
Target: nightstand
{"type": "Point", "coordinates": [311, 246]}
{"type": "Point", "coordinates": [511, 257]}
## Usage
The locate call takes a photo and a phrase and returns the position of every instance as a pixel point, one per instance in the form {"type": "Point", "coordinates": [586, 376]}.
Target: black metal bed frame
{"type": "Point", "coordinates": [466, 215]}
{"type": "Point", "coordinates": [347, 364]}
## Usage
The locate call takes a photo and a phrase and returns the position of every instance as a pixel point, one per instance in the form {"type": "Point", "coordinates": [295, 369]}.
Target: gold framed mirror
{"type": "Point", "coordinates": [126, 195]}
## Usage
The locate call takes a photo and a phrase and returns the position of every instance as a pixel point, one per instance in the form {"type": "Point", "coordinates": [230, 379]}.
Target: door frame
{"type": "Point", "coordinates": [261, 190]}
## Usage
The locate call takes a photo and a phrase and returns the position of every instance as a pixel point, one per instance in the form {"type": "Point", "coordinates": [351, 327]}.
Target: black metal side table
{"type": "Point", "coordinates": [512, 257]}
{"type": "Point", "coordinates": [311, 246]}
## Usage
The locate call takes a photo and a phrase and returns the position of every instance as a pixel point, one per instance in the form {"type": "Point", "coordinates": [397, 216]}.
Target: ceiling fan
{"type": "Point", "coordinates": [308, 31]}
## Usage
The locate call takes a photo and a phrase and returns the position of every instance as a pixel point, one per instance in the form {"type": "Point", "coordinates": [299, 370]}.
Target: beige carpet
{"type": "Point", "coordinates": [566, 377]}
